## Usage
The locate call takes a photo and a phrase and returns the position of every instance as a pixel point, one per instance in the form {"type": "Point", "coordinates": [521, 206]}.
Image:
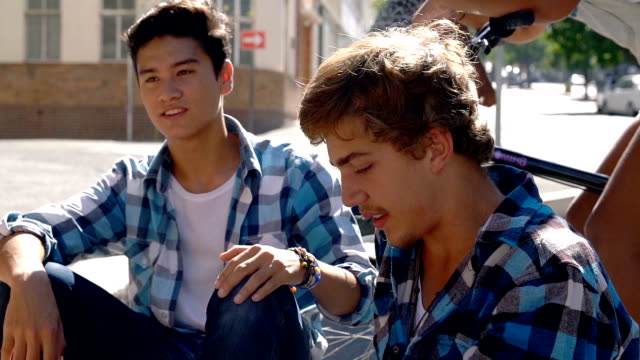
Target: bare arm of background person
{"type": "Point", "coordinates": [475, 13]}
{"type": "Point", "coordinates": [32, 326]}
{"type": "Point", "coordinates": [610, 221]}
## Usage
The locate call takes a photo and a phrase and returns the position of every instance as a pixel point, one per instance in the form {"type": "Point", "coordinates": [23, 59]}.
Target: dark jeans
{"type": "Point", "coordinates": [98, 326]}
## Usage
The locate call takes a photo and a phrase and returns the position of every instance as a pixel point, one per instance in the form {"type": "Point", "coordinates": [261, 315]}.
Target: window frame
{"type": "Point", "coordinates": [118, 14]}
{"type": "Point", "coordinates": [43, 13]}
{"type": "Point", "coordinates": [238, 21]}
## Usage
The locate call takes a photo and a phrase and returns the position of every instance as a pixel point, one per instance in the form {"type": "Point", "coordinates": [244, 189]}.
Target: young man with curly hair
{"type": "Point", "coordinates": [471, 263]}
{"type": "Point", "coordinates": [217, 226]}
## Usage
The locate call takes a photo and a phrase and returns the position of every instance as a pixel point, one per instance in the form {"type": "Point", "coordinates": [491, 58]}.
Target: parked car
{"type": "Point", "coordinates": [621, 98]}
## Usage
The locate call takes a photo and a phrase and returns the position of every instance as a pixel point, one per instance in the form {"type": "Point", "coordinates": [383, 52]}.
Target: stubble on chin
{"type": "Point", "coordinates": [401, 240]}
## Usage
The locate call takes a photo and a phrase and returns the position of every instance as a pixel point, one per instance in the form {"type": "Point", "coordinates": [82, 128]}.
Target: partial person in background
{"type": "Point", "coordinates": [472, 264]}
{"type": "Point", "coordinates": [609, 220]}
{"type": "Point", "coordinates": [216, 226]}
{"type": "Point", "coordinates": [400, 13]}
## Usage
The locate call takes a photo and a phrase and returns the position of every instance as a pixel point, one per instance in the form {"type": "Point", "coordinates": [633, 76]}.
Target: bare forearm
{"type": "Point", "coordinates": [546, 11]}
{"type": "Point", "coordinates": [20, 255]}
{"type": "Point", "coordinates": [582, 207]}
{"type": "Point", "coordinates": [338, 292]}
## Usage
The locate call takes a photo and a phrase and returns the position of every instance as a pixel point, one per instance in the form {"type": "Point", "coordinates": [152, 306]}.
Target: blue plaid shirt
{"type": "Point", "coordinates": [531, 288]}
{"type": "Point", "coordinates": [281, 198]}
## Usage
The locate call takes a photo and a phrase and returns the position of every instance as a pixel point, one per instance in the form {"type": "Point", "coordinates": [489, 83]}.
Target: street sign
{"type": "Point", "coordinates": [252, 39]}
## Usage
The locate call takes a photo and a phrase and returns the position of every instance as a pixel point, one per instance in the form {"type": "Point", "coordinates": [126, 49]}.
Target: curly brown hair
{"type": "Point", "coordinates": [403, 82]}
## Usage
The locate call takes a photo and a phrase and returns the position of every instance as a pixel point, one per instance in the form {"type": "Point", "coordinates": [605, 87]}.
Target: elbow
{"type": "Point", "coordinates": [552, 10]}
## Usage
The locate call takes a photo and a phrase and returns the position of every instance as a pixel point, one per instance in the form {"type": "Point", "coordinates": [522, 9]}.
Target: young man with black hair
{"type": "Point", "coordinates": [215, 209]}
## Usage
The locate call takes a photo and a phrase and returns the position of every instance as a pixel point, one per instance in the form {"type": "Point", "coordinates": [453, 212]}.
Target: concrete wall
{"type": "Point", "coordinates": [12, 31]}
{"type": "Point", "coordinates": [80, 96]}
{"type": "Point", "coordinates": [67, 101]}
{"type": "Point", "coordinates": [89, 101]}
{"type": "Point", "coordinates": [80, 31]}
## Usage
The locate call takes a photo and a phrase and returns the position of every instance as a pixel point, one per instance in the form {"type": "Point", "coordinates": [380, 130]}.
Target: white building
{"type": "Point", "coordinates": [63, 67]}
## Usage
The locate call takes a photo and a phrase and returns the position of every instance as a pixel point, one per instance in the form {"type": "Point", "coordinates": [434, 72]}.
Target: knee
{"type": "Point", "coordinates": [60, 276]}
{"type": "Point", "coordinates": [281, 298]}
{"type": "Point", "coordinates": [272, 308]}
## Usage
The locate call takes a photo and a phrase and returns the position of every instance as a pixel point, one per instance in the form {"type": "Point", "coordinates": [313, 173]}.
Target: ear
{"type": "Point", "coordinates": [226, 75]}
{"type": "Point", "coordinates": [440, 148]}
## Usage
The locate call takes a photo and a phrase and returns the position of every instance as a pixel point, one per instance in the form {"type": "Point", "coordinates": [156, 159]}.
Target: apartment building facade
{"type": "Point", "coordinates": [64, 72]}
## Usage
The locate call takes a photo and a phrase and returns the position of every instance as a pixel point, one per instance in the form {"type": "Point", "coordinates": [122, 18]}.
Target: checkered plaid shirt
{"type": "Point", "coordinates": [281, 198]}
{"type": "Point", "coordinates": [531, 288]}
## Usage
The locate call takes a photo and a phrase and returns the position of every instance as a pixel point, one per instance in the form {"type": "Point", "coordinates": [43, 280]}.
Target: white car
{"type": "Point", "coordinates": [622, 98]}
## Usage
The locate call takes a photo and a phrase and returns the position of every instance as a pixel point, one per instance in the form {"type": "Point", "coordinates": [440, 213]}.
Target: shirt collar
{"type": "Point", "coordinates": [161, 166]}
{"type": "Point", "coordinates": [520, 209]}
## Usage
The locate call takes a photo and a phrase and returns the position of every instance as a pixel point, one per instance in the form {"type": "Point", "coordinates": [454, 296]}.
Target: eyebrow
{"type": "Point", "coordinates": [345, 160]}
{"type": "Point", "coordinates": [174, 65]}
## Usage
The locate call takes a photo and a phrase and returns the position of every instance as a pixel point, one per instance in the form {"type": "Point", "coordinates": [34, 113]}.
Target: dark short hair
{"type": "Point", "coordinates": [402, 82]}
{"type": "Point", "coordinates": [185, 18]}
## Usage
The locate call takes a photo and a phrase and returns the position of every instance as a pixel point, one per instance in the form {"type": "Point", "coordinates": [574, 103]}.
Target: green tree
{"type": "Point", "coordinates": [526, 56]}
{"type": "Point", "coordinates": [578, 49]}
{"type": "Point", "coordinates": [378, 4]}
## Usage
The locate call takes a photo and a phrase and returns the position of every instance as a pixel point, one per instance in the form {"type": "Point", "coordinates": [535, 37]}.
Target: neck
{"type": "Point", "coordinates": [469, 199]}
{"type": "Point", "coordinates": [203, 164]}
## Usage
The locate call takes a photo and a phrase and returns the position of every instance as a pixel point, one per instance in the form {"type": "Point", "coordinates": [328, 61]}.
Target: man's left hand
{"type": "Point", "coordinates": [268, 268]}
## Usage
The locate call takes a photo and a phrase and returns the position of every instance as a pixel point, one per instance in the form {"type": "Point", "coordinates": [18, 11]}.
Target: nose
{"type": "Point", "coordinates": [169, 91]}
{"type": "Point", "coordinates": [352, 193]}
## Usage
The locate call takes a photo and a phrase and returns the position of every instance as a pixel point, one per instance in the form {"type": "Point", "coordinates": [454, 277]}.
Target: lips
{"type": "Point", "coordinates": [380, 221]}
{"type": "Point", "coordinates": [379, 218]}
{"type": "Point", "coordinates": [175, 111]}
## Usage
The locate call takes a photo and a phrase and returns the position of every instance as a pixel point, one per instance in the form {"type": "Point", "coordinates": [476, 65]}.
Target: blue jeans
{"type": "Point", "coordinates": [98, 326]}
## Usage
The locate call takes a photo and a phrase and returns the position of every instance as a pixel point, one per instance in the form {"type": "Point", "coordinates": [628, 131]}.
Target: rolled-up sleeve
{"type": "Point", "coordinates": [329, 230]}
{"type": "Point", "coordinates": [92, 221]}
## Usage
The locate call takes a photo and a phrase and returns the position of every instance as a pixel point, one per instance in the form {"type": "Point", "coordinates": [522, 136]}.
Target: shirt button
{"type": "Point", "coordinates": [164, 315]}
{"type": "Point", "coordinates": [395, 349]}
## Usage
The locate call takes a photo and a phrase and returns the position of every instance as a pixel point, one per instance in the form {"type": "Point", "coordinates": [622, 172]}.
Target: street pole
{"type": "Point", "coordinates": [130, 100]}
{"type": "Point", "coordinates": [499, 51]}
{"type": "Point", "coordinates": [251, 94]}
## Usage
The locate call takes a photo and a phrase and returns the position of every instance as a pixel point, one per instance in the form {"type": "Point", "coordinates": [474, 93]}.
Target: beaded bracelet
{"type": "Point", "coordinates": [313, 273]}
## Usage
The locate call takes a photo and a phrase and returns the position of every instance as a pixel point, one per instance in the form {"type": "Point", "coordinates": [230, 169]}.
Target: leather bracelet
{"type": "Point", "coordinates": [313, 273]}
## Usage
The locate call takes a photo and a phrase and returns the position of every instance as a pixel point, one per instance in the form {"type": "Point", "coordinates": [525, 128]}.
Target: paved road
{"type": "Point", "coordinates": [541, 122]}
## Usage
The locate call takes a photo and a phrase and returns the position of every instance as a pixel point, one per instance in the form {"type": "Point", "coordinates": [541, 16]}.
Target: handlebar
{"type": "Point", "coordinates": [488, 37]}
{"type": "Point", "coordinates": [498, 28]}
{"type": "Point", "coordinates": [592, 182]}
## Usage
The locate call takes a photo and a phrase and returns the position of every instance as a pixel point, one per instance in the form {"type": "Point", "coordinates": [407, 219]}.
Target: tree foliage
{"type": "Point", "coordinates": [526, 55]}
{"type": "Point", "coordinates": [577, 48]}
{"type": "Point", "coordinates": [378, 4]}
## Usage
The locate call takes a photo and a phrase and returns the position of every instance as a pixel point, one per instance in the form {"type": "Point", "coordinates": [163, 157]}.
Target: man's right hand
{"type": "Point", "coordinates": [32, 325]}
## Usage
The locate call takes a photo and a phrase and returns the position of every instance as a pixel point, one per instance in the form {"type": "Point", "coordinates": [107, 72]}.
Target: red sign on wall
{"type": "Point", "coordinates": [252, 39]}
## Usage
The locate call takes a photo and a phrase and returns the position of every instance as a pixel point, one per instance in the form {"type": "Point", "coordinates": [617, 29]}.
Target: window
{"type": "Point", "coordinates": [43, 30]}
{"type": "Point", "coordinates": [624, 83]}
{"type": "Point", "coordinates": [241, 14]}
{"type": "Point", "coordinates": [117, 16]}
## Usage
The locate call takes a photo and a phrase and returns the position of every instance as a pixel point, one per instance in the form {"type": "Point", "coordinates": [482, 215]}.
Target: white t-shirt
{"type": "Point", "coordinates": [421, 313]}
{"type": "Point", "coordinates": [202, 223]}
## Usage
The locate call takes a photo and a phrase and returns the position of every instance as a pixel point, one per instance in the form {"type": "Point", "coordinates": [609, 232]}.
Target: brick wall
{"type": "Point", "coordinates": [88, 101]}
